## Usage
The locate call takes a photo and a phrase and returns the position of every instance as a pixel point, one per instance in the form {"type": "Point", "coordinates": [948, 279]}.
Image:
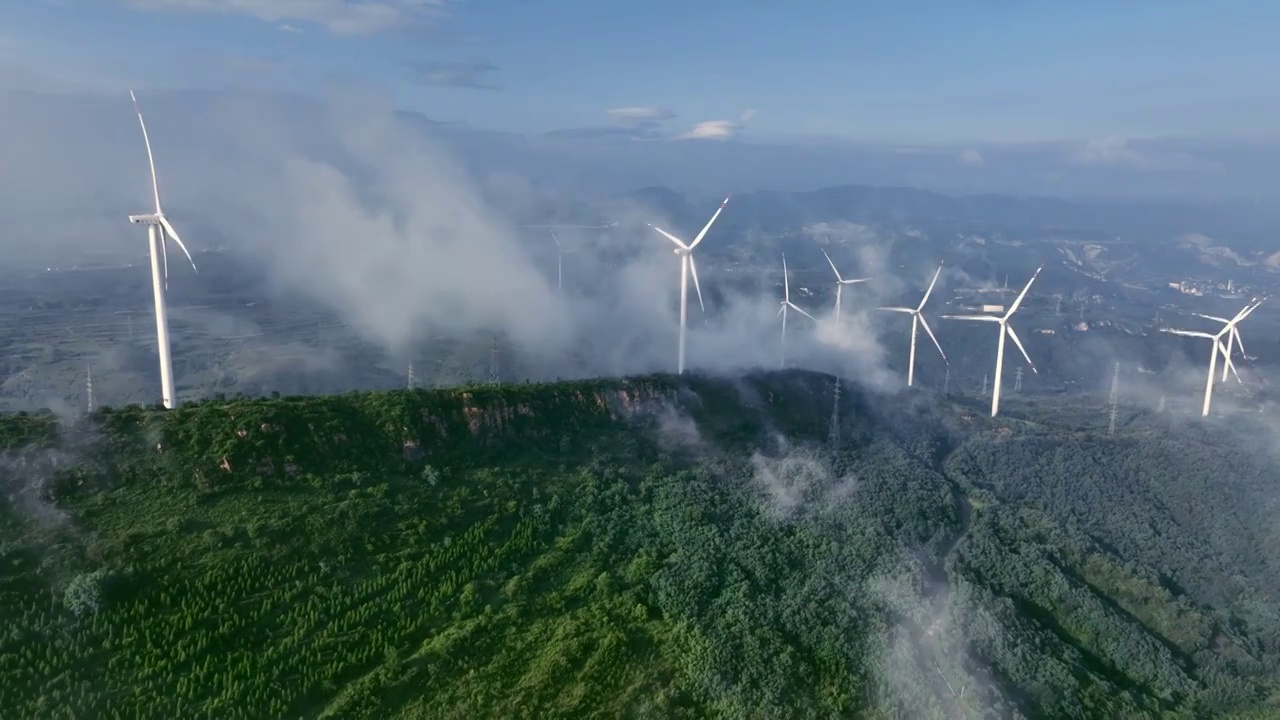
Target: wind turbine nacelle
{"type": "Point", "coordinates": [151, 219]}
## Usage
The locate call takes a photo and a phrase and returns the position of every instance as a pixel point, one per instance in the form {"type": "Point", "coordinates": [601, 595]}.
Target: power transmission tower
{"type": "Point", "coordinates": [494, 378]}
{"type": "Point", "coordinates": [1115, 400]}
{"type": "Point", "coordinates": [1017, 381]}
{"type": "Point", "coordinates": [410, 382]}
{"type": "Point", "coordinates": [984, 384]}
{"type": "Point", "coordinates": [833, 434]}
{"type": "Point", "coordinates": [88, 386]}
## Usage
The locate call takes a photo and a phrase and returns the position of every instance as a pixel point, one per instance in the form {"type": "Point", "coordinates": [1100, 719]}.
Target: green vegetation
{"type": "Point", "coordinates": [656, 547]}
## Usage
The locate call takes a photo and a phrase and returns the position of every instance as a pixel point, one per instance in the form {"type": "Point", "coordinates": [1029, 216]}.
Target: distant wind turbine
{"type": "Point", "coordinates": [158, 228]}
{"type": "Point", "coordinates": [782, 310]}
{"type": "Point", "coordinates": [917, 319]}
{"type": "Point", "coordinates": [687, 266]}
{"type": "Point", "coordinates": [559, 262]}
{"type": "Point", "coordinates": [1006, 330]}
{"type": "Point", "coordinates": [840, 283]}
{"type": "Point", "coordinates": [1218, 347]}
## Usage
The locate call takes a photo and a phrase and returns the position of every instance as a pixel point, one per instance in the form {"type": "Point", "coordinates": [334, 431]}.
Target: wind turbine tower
{"type": "Point", "coordinates": [840, 283]}
{"type": "Point", "coordinates": [786, 305]}
{"type": "Point", "coordinates": [88, 387]}
{"type": "Point", "coordinates": [494, 377]}
{"type": "Point", "coordinates": [917, 319]}
{"type": "Point", "coordinates": [688, 267]}
{"type": "Point", "coordinates": [559, 262]}
{"type": "Point", "coordinates": [1006, 330]}
{"type": "Point", "coordinates": [158, 229]}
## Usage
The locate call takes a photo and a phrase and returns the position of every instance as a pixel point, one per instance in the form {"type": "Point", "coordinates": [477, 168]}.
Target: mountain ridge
{"type": "Point", "coordinates": [665, 546]}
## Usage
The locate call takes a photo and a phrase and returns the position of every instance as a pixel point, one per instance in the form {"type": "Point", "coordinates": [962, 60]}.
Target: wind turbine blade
{"type": "Point", "coordinates": [855, 281]}
{"type": "Point", "coordinates": [557, 240]}
{"type": "Point", "coordinates": [168, 229]}
{"type": "Point", "coordinates": [1247, 311]}
{"type": "Point", "coordinates": [669, 236]}
{"type": "Point", "coordinates": [1016, 303]}
{"type": "Point", "coordinates": [786, 281]}
{"type": "Point", "coordinates": [1230, 365]}
{"type": "Point", "coordinates": [930, 290]}
{"type": "Point", "coordinates": [934, 338]}
{"type": "Point", "coordinates": [1239, 342]}
{"type": "Point", "coordinates": [164, 254]}
{"type": "Point", "coordinates": [833, 267]}
{"type": "Point", "coordinates": [782, 309]}
{"type": "Point", "coordinates": [151, 161]}
{"type": "Point", "coordinates": [1189, 333]}
{"type": "Point", "coordinates": [898, 309]}
{"type": "Point", "coordinates": [982, 318]}
{"type": "Point", "coordinates": [1215, 318]}
{"type": "Point", "coordinates": [693, 269]}
{"type": "Point", "coordinates": [797, 308]}
{"type": "Point", "coordinates": [707, 227]}
{"type": "Point", "coordinates": [1014, 336]}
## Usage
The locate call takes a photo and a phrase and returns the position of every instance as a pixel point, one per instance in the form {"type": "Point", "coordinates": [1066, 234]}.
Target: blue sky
{"type": "Point", "coordinates": [923, 71]}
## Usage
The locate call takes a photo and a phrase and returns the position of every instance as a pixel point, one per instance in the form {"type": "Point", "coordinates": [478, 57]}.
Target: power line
{"type": "Point", "coordinates": [833, 434]}
{"type": "Point", "coordinates": [1115, 400]}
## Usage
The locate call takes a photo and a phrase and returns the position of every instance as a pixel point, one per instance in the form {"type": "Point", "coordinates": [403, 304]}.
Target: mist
{"type": "Point", "coordinates": [370, 215]}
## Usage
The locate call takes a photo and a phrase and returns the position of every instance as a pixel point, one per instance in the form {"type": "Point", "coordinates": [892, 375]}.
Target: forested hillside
{"type": "Point", "coordinates": [657, 547]}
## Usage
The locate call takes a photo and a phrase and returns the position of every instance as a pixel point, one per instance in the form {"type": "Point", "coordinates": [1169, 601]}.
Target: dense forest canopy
{"type": "Point", "coordinates": [653, 547]}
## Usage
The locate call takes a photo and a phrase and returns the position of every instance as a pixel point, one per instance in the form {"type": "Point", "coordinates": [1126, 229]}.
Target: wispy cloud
{"type": "Point", "coordinates": [344, 17]}
{"type": "Point", "coordinates": [472, 74]}
{"type": "Point", "coordinates": [640, 115]}
{"type": "Point", "coordinates": [1110, 150]}
{"type": "Point", "coordinates": [718, 129]}
{"type": "Point", "coordinates": [971, 156]}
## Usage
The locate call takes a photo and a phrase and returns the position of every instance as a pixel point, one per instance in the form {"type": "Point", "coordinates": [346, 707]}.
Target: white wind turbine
{"type": "Point", "coordinates": [1218, 347]}
{"type": "Point", "coordinates": [782, 310]}
{"type": "Point", "coordinates": [1006, 330]}
{"type": "Point", "coordinates": [158, 228]}
{"type": "Point", "coordinates": [1233, 337]}
{"type": "Point", "coordinates": [917, 319]}
{"type": "Point", "coordinates": [840, 283]}
{"type": "Point", "coordinates": [687, 266]}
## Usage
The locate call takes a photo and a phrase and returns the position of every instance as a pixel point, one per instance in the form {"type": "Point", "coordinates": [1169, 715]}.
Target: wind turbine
{"type": "Point", "coordinates": [782, 310]}
{"type": "Point", "coordinates": [559, 262]}
{"type": "Point", "coordinates": [1006, 330]}
{"type": "Point", "coordinates": [687, 266]}
{"type": "Point", "coordinates": [917, 319]}
{"type": "Point", "coordinates": [158, 228]}
{"type": "Point", "coordinates": [1218, 347]}
{"type": "Point", "coordinates": [840, 283]}
{"type": "Point", "coordinates": [1233, 337]}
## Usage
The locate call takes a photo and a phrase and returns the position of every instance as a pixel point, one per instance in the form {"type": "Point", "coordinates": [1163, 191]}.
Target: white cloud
{"type": "Point", "coordinates": [347, 17]}
{"type": "Point", "coordinates": [972, 157]}
{"type": "Point", "coordinates": [639, 115]}
{"type": "Point", "coordinates": [717, 129]}
{"type": "Point", "coordinates": [1110, 150]}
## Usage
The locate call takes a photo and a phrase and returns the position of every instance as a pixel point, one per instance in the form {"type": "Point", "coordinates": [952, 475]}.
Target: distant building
{"type": "Point", "coordinates": [1047, 331]}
